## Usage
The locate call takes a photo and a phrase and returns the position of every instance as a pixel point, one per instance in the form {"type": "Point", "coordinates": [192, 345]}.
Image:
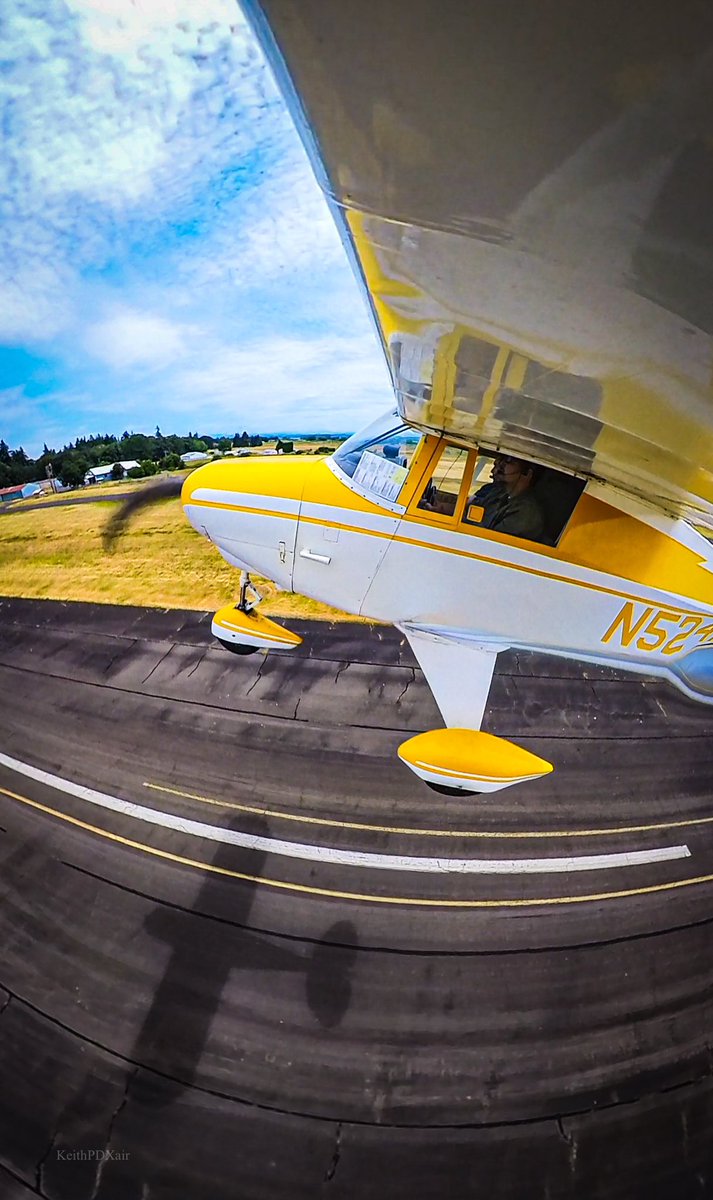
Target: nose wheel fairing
{"type": "Point", "coordinates": [236, 627]}
{"type": "Point", "coordinates": [242, 629]}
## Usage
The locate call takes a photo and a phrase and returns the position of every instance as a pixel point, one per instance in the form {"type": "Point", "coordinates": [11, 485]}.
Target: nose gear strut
{"type": "Point", "coordinates": [242, 630]}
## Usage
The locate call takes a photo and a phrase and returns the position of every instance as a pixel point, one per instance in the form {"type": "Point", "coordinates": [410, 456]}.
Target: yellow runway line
{"type": "Point", "coordinates": [413, 901]}
{"type": "Point", "coordinates": [453, 833]}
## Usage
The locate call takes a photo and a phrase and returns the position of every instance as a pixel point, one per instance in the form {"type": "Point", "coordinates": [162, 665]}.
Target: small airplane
{"type": "Point", "coordinates": [390, 527]}
{"type": "Point", "coordinates": [526, 238]}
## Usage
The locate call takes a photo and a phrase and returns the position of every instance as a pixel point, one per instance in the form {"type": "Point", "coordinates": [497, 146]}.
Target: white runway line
{"type": "Point", "coordinates": [348, 858]}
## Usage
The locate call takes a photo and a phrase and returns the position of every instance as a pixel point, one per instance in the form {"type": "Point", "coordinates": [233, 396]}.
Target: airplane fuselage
{"type": "Point", "coordinates": [624, 586]}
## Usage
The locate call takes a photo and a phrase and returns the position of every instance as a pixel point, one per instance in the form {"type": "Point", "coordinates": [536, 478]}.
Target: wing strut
{"type": "Point", "coordinates": [459, 673]}
{"type": "Point", "coordinates": [462, 760]}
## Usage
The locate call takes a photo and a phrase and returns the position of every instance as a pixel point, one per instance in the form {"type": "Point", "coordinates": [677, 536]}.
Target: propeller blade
{"type": "Point", "coordinates": [162, 489]}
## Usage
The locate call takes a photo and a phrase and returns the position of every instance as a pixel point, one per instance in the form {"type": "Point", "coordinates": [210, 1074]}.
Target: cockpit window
{"type": "Point", "coordinates": [443, 489]}
{"type": "Point", "coordinates": [379, 457]}
{"type": "Point", "coordinates": [512, 496]}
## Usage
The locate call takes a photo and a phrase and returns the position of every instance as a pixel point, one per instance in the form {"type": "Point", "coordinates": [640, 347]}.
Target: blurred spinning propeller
{"type": "Point", "coordinates": [162, 489]}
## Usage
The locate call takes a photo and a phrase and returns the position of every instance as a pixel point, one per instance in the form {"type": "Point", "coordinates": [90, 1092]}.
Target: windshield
{"type": "Point", "coordinates": [378, 458]}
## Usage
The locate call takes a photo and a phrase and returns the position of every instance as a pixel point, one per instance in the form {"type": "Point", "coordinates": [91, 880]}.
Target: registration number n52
{"type": "Point", "coordinates": [658, 630]}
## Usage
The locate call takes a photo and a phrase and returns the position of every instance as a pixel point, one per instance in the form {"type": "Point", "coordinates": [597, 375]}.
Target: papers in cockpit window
{"type": "Point", "coordinates": [380, 475]}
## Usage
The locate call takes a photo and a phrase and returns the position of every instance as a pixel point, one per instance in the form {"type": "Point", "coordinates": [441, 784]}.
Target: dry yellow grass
{"type": "Point", "coordinates": [56, 553]}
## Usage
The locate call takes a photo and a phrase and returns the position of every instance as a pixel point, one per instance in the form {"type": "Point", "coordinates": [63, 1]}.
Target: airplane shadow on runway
{"type": "Point", "coordinates": [176, 1028]}
{"type": "Point", "coordinates": [170, 1044]}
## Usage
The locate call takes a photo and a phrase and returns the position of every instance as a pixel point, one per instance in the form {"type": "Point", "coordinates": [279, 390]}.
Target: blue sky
{"type": "Point", "coordinates": [166, 256]}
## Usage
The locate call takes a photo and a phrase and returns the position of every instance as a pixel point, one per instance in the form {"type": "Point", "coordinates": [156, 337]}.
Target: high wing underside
{"type": "Point", "coordinates": [527, 192]}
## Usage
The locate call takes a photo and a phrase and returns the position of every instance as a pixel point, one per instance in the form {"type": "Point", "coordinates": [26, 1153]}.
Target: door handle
{"type": "Point", "coordinates": [323, 558]}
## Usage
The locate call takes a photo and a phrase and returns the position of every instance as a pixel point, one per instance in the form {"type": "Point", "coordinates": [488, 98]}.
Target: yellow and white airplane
{"type": "Point", "coordinates": [620, 583]}
{"type": "Point", "coordinates": [527, 204]}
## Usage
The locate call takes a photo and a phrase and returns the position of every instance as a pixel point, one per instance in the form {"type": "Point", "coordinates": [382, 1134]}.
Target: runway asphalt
{"type": "Point", "coordinates": [246, 954]}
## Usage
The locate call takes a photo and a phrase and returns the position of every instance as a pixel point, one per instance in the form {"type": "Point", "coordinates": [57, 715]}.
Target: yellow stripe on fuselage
{"type": "Point", "coordinates": [425, 545]}
{"type": "Point", "coordinates": [599, 538]}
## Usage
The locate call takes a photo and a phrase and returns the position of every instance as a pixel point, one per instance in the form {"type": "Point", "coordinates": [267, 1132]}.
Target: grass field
{"type": "Point", "coordinates": [57, 553]}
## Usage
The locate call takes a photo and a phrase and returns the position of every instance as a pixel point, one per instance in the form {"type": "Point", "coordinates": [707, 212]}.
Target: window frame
{"type": "Point", "coordinates": [443, 520]}
{"type": "Point", "coordinates": [431, 451]}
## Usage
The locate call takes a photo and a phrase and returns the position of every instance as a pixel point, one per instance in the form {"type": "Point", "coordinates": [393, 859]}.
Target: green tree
{"type": "Point", "coordinates": [138, 446]}
{"type": "Point", "coordinates": [117, 471]}
{"type": "Point", "coordinates": [73, 469]}
{"type": "Point", "coordinates": [135, 473]}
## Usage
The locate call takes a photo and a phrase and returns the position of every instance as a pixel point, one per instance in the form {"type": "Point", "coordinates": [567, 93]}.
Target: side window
{"type": "Point", "coordinates": [443, 488]}
{"type": "Point", "coordinates": [511, 496]}
{"type": "Point", "coordinates": [486, 490]}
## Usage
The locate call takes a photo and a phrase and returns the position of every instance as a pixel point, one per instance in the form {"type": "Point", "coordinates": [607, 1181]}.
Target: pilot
{"type": "Point", "coordinates": [516, 511]}
{"type": "Point", "coordinates": [492, 492]}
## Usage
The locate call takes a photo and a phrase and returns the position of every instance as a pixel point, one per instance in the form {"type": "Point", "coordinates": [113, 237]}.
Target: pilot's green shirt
{"type": "Point", "coordinates": [520, 516]}
{"type": "Point", "coordinates": [488, 497]}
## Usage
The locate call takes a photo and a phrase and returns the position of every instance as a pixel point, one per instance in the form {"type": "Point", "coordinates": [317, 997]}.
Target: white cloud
{"type": "Point", "coordinates": [158, 204]}
{"type": "Point", "coordinates": [115, 113]}
{"type": "Point", "coordinates": [115, 27]}
{"type": "Point", "coordinates": [12, 404]}
{"type": "Point", "coordinates": [117, 127]}
{"type": "Point", "coordinates": [37, 422]}
{"type": "Point", "coordinates": [36, 299]}
{"type": "Point", "coordinates": [286, 382]}
{"type": "Point", "coordinates": [320, 383]}
{"type": "Point", "coordinates": [282, 226]}
{"type": "Point", "coordinates": [128, 338]}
